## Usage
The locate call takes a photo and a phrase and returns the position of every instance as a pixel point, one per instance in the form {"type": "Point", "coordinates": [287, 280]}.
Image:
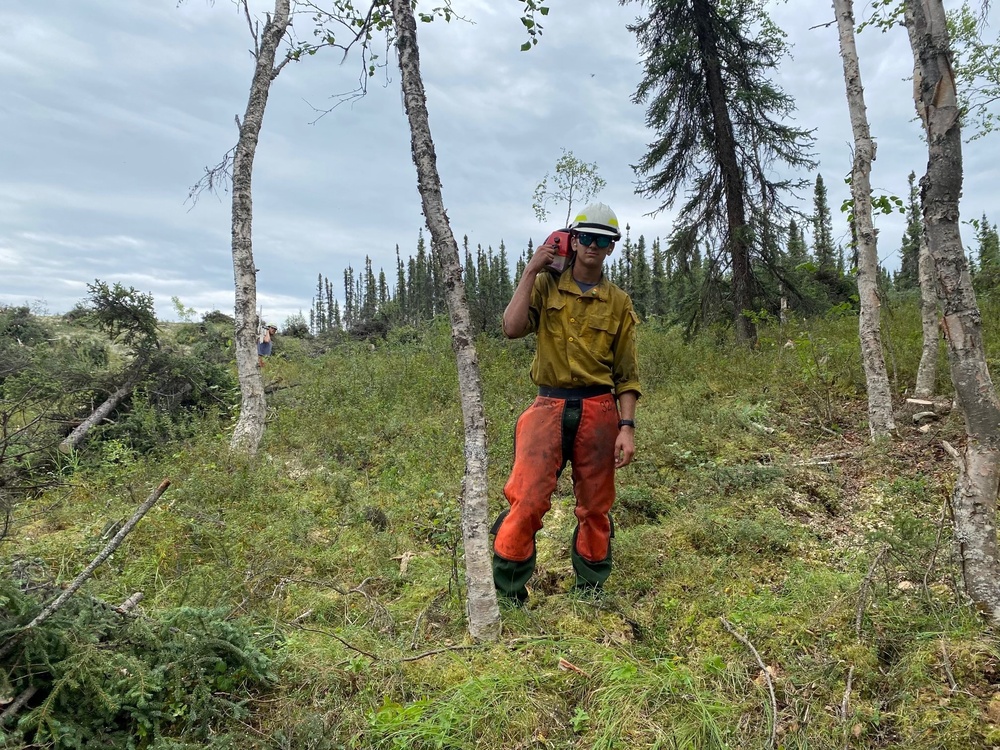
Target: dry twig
{"type": "Point", "coordinates": [105, 553]}
{"type": "Point", "coordinates": [863, 593]}
{"type": "Point", "coordinates": [336, 637]}
{"type": "Point", "coordinates": [946, 662]}
{"type": "Point", "coordinates": [11, 711]}
{"type": "Point", "coordinates": [767, 677]}
{"type": "Point", "coordinates": [845, 704]}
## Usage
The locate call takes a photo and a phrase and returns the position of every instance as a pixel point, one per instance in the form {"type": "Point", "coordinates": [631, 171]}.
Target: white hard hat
{"type": "Point", "coordinates": [597, 218]}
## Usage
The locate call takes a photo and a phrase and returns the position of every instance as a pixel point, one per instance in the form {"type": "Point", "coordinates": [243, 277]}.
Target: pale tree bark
{"type": "Point", "coordinates": [927, 370]}
{"type": "Point", "coordinates": [482, 609]}
{"type": "Point", "coordinates": [253, 407]}
{"type": "Point", "coordinates": [974, 500]}
{"type": "Point", "coordinates": [880, 420]}
{"type": "Point", "coordinates": [71, 441]}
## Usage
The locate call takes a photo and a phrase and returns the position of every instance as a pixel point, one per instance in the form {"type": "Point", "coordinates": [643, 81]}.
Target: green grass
{"type": "Point", "coordinates": [344, 537]}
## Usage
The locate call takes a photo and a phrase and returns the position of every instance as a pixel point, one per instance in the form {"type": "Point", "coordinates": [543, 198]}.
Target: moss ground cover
{"type": "Point", "coordinates": [332, 568]}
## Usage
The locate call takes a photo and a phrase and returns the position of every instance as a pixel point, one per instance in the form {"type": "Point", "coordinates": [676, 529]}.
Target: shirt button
{"type": "Point", "coordinates": [571, 338]}
{"type": "Point", "coordinates": [572, 320]}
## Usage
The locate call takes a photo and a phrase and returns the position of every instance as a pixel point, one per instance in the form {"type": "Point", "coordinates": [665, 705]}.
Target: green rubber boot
{"type": "Point", "coordinates": [511, 578]}
{"type": "Point", "coordinates": [590, 576]}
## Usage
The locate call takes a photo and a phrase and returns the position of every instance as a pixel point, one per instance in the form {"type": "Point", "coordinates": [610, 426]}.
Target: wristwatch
{"type": "Point", "coordinates": [626, 423]}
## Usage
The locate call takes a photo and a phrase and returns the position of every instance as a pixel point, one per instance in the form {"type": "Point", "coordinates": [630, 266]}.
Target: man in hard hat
{"type": "Point", "coordinates": [587, 375]}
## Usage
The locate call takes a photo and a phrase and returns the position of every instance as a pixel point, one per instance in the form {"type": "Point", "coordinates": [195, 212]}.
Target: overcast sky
{"type": "Point", "coordinates": [113, 108]}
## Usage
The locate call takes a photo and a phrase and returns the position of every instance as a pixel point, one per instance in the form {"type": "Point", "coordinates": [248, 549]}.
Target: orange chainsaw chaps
{"type": "Point", "coordinates": [594, 477]}
{"type": "Point", "coordinates": [538, 458]}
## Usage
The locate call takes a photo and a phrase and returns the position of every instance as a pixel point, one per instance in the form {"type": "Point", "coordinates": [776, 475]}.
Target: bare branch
{"type": "Point", "coordinates": [946, 663]}
{"type": "Point", "coordinates": [253, 29]}
{"type": "Point", "coordinates": [219, 176]}
{"type": "Point", "coordinates": [11, 711]}
{"type": "Point", "coordinates": [114, 544]}
{"type": "Point", "coordinates": [336, 637]}
{"type": "Point", "coordinates": [767, 677]}
{"type": "Point", "coordinates": [863, 593]}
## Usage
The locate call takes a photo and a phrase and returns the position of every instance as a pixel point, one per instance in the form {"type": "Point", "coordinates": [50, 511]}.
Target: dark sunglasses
{"type": "Point", "coordinates": [587, 239]}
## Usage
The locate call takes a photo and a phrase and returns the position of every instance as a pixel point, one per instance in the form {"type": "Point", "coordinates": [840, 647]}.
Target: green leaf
{"type": "Point", "coordinates": [525, 47]}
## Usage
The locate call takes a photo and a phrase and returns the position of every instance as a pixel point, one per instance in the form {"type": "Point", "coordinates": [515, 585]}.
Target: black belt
{"type": "Point", "coordinates": [589, 392]}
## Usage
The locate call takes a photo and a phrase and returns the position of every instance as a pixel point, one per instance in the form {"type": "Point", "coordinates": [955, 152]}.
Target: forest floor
{"type": "Point", "coordinates": [780, 579]}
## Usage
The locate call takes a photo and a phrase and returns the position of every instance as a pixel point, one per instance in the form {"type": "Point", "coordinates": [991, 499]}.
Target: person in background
{"type": "Point", "coordinates": [264, 343]}
{"type": "Point", "coordinates": [587, 374]}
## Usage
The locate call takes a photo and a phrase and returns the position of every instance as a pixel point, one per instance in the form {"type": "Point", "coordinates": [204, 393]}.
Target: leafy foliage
{"type": "Point", "coordinates": [573, 182]}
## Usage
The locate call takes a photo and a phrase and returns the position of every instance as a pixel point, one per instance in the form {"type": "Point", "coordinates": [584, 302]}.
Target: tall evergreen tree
{"type": "Point", "coordinates": [659, 280]}
{"type": "Point", "coordinates": [317, 316]}
{"type": "Point", "coordinates": [796, 252]}
{"type": "Point", "coordinates": [987, 274]}
{"type": "Point", "coordinates": [721, 126]}
{"type": "Point", "coordinates": [908, 276]}
{"type": "Point", "coordinates": [642, 281]}
{"type": "Point", "coordinates": [369, 293]}
{"type": "Point", "coordinates": [506, 286]}
{"type": "Point", "coordinates": [332, 309]}
{"type": "Point", "coordinates": [822, 223]}
{"type": "Point", "coordinates": [349, 301]}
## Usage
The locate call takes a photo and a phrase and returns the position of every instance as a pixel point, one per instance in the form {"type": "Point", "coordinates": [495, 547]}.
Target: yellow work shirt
{"type": "Point", "coordinates": [583, 339]}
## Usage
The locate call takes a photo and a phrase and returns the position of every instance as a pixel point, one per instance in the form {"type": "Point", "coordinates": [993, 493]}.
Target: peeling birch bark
{"type": "Point", "coordinates": [249, 427]}
{"type": "Point", "coordinates": [975, 499]}
{"type": "Point", "coordinates": [481, 602]}
{"type": "Point", "coordinates": [880, 419]}
{"type": "Point", "coordinates": [927, 370]}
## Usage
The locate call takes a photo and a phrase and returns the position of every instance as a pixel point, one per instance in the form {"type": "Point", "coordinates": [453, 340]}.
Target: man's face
{"type": "Point", "coordinates": [592, 255]}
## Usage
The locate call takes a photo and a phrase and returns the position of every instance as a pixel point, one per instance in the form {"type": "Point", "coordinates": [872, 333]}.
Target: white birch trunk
{"type": "Point", "coordinates": [880, 420]}
{"type": "Point", "coordinates": [927, 370]}
{"type": "Point", "coordinates": [253, 407]}
{"type": "Point", "coordinates": [975, 499]}
{"type": "Point", "coordinates": [482, 609]}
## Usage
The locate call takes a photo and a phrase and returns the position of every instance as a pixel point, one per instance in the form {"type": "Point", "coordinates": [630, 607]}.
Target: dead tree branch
{"type": "Point", "coordinates": [863, 593]}
{"type": "Point", "coordinates": [105, 553]}
{"type": "Point", "coordinates": [767, 677]}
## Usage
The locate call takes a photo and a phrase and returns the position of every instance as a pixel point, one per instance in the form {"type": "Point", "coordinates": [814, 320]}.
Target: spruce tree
{"type": "Point", "coordinates": [317, 316]}
{"type": "Point", "coordinates": [796, 252]}
{"type": "Point", "coordinates": [823, 250]}
{"type": "Point", "coordinates": [659, 281]}
{"type": "Point", "coordinates": [642, 281]}
{"type": "Point", "coordinates": [987, 274]}
{"type": "Point", "coordinates": [721, 126]}
{"type": "Point", "coordinates": [908, 276]}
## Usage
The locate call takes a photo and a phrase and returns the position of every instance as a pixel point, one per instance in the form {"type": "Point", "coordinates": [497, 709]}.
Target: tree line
{"type": "Point", "coordinates": [678, 280]}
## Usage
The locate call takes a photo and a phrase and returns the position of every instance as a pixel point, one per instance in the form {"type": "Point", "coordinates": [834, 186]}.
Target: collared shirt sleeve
{"type": "Point", "coordinates": [537, 304]}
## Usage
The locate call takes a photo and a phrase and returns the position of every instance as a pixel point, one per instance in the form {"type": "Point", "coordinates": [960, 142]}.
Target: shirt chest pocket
{"type": "Point", "coordinates": [599, 331]}
{"type": "Point", "coordinates": [554, 316]}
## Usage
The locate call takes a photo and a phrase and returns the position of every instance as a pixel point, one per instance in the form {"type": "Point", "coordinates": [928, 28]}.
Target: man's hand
{"type": "Point", "coordinates": [624, 447]}
{"type": "Point", "coordinates": [542, 257]}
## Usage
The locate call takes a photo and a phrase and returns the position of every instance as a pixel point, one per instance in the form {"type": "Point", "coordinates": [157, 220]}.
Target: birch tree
{"type": "Point", "coordinates": [481, 602]}
{"type": "Point", "coordinates": [927, 369]}
{"type": "Point", "coordinates": [574, 181]}
{"type": "Point", "coordinates": [974, 500]}
{"type": "Point", "coordinates": [250, 426]}
{"type": "Point", "coordinates": [880, 420]}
